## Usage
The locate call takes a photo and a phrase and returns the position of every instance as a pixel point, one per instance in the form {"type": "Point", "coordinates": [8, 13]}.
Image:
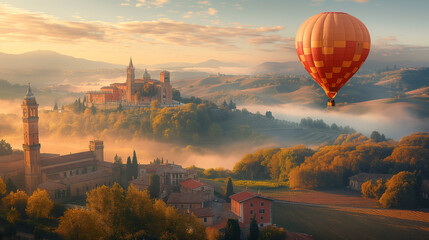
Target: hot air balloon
{"type": "Point", "coordinates": [332, 46]}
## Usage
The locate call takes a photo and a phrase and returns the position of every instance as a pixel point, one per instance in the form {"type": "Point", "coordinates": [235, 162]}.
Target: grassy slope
{"type": "Point", "coordinates": [328, 223]}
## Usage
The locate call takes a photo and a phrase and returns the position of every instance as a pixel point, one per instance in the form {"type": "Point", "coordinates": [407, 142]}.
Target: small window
{"type": "Point", "coordinates": [190, 205]}
{"type": "Point", "coordinates": [77, 171]}
{"type": "Point", "coordinates": [262, 224]}
{"type": "Point", "coordinates": [71, 173]}
{"type": "Point", "coordinates": [261, 210]}
{"type": "Point", "coordinates": [262, 204]}
{"type": "Point", "coordinates": [205, 219]}
{"type": "Point", "coordinates": [251, 204]}
{"type": "Point", "coordinates": [262, 217]}
{"type": "Point", "coordinates": [181, 205]}
{"type": "Point", "coordinates": [251, 211]}
{"type": "Point", "coordinates": [65, 174]}
{"type": "Point", "coordinates": [77, 191]}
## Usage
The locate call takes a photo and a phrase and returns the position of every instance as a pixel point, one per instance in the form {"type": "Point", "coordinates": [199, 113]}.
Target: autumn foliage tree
{"type": "Point", "coordinates": [272, 233]}
{"type": "Point", "coordinates": [18, 200]}
{"type": "Point", "coordinates": [371, 189]}
{"type": "Point", "coordinates": [3, 187]}
{"type": "Point", "coordinates": [115, 213]}
{"type": "Point", "coordinates": [401, 191]}
{"type": "Point", "coordinates": [79, 224]}
{"type": "Point", "coordinates": [39, 204]}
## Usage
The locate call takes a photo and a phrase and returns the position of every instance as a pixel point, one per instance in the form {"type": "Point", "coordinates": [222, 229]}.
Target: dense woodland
{"type": "Point", "coordinates": [198, 122]}
{"type": "Point", "coordinates": [331, 165]}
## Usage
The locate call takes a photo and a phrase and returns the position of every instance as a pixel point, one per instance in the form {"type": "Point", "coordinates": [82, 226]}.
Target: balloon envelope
{"type": "Point", "coordinates": [332, 46]}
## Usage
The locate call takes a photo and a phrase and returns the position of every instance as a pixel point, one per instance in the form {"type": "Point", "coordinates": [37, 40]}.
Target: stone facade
{"type": "Point", "coordinates": [65, 176]}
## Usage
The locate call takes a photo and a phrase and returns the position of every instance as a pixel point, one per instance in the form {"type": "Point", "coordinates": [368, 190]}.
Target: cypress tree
{"type": "Point", "coordinates": [229, 190]}
{"type": "Point", "coordinates": [253, 229]}
{"type": "Point", "coordinates": [135, 165]}
{"type": "Point", "coordinates": [232, 230]}
{"type": "Point", "coordinates": [154, 186]}
{"type": "Point", "coordinates": [128, 169]}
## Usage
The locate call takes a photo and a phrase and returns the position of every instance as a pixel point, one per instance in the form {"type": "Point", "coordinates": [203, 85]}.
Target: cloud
{"type": "Point", "coordinates": [207, 3]}
{"type": "Point", "coordinates": [360, 1]}
{"type": "Point", "coordinates": [124, 4]}
{"type": "Point", "coordinates": [149, 3]}
{"type": "Point", "coordinates": [188, 14]}
{"type": "Point", "coordinates": [212, 11]}
{"type": "Point", "coordinates": [238, 6]}
{"type": "Point", "coordinates": [18, 24]}
{"type": "Point", "coordinates": [271, 39]}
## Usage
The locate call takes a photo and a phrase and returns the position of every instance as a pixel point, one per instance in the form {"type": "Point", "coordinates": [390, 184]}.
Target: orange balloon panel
{"type": "Point", "coordinates": [332, 46]}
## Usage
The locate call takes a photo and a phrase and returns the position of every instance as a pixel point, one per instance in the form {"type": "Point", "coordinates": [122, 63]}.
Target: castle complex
{"type": "Point", "coordinates": [64, 176]}
{"type": "Point", "coordinates": [135, 91]}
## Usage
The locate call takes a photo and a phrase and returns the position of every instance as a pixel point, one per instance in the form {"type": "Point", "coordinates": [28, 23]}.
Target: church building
{"type": "Point", "coordinates": [63, 176]}
{"type": "Point", "coordinates": [135, 91]}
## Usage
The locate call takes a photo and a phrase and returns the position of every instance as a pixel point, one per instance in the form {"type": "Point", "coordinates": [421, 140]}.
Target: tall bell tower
{"type": "Point", "coordinates": [130, 81]}
{"type": "Point", "coordinates": [31, 146]}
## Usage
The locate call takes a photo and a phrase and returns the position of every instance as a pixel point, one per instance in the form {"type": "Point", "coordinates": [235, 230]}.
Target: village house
{"type": "Point", "coordinates": [186, 200]}
{"type": "Point", "coordinates": [356, 181]}
{"type": "Point", "coordinates": [204, 214]}
{"type": "Point", "coordinates": [191, 185]}
{"type": "Point", "coordinates": [246, 205]}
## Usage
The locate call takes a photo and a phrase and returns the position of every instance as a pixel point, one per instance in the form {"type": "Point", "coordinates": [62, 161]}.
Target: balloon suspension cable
{"type": "Point", "coordinates": [331, 103]}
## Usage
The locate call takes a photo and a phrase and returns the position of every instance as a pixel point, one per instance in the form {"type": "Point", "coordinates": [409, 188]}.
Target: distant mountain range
{"type": "Point", "coordinates": [49, 60]}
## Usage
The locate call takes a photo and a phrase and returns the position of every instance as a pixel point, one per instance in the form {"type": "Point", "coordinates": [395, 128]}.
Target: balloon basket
{"type": "Point", "coordinates": [331, 103]}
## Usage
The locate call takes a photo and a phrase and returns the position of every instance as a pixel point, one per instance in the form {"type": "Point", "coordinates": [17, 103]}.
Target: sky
{"type": "Point", "coordinates": [161, 31]}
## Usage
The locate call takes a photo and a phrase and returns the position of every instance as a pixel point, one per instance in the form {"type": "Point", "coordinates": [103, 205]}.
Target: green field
{"type": "Point", "coordinates": [329, 223]}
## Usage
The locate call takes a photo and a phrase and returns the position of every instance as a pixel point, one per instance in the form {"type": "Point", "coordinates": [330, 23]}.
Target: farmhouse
{"type": "Point", "coordinates": [194, 186]}
{"type": "Point", "coordinates": [246, 205]}
{"type": "Point", "coordinates": [204, 214]}
{"type": "Point", "coordinates": [186, 200]}
{"type": "Point", "coordinates": [356, 181]}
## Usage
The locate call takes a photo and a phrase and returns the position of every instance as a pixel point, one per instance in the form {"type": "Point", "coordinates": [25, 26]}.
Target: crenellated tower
{"type": "Point", "coordinates": [31, 146]}
{"type": "Point", "coordinates": [130, 81]}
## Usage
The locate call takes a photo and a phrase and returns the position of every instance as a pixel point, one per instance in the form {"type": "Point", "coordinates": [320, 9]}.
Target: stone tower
{"type": "Point", "coordinates": [166, 90]}
{"type": "Point", "coordinates": [97, 147]}
{"type": "Point", "coordinates": [130, 81]}
{"type": "Point", "coordinates": [31, 146]}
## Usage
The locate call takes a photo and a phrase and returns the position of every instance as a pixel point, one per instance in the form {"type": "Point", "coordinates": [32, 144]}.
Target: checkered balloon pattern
{"type": "Point", "coordinates": [332, 46]}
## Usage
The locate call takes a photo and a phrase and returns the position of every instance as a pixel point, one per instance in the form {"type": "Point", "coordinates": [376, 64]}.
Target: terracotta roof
{"type": "Point", "coordinates": [48, 155]}
{"type": "Point", "coordinates": [363, 177]}
{"type": "Point", "coordinates": [11, 158]}
{"type": "Point", "coordinates": [141, 181]}
{"type": "Point", "coordinates": [70, 166]}
{"type": "Point", "coordinates": [191, 183]}
{"type": "Point", "coordinates": [202, 212]}
{"type": "Point", "coordinates": [86, 177]}
{"type": "Point", "coordinates": [246, 195]}
{"type": "Point", "coordinates": [67, 158]}
{"type": "Point", "coordinates": [185, 198]}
